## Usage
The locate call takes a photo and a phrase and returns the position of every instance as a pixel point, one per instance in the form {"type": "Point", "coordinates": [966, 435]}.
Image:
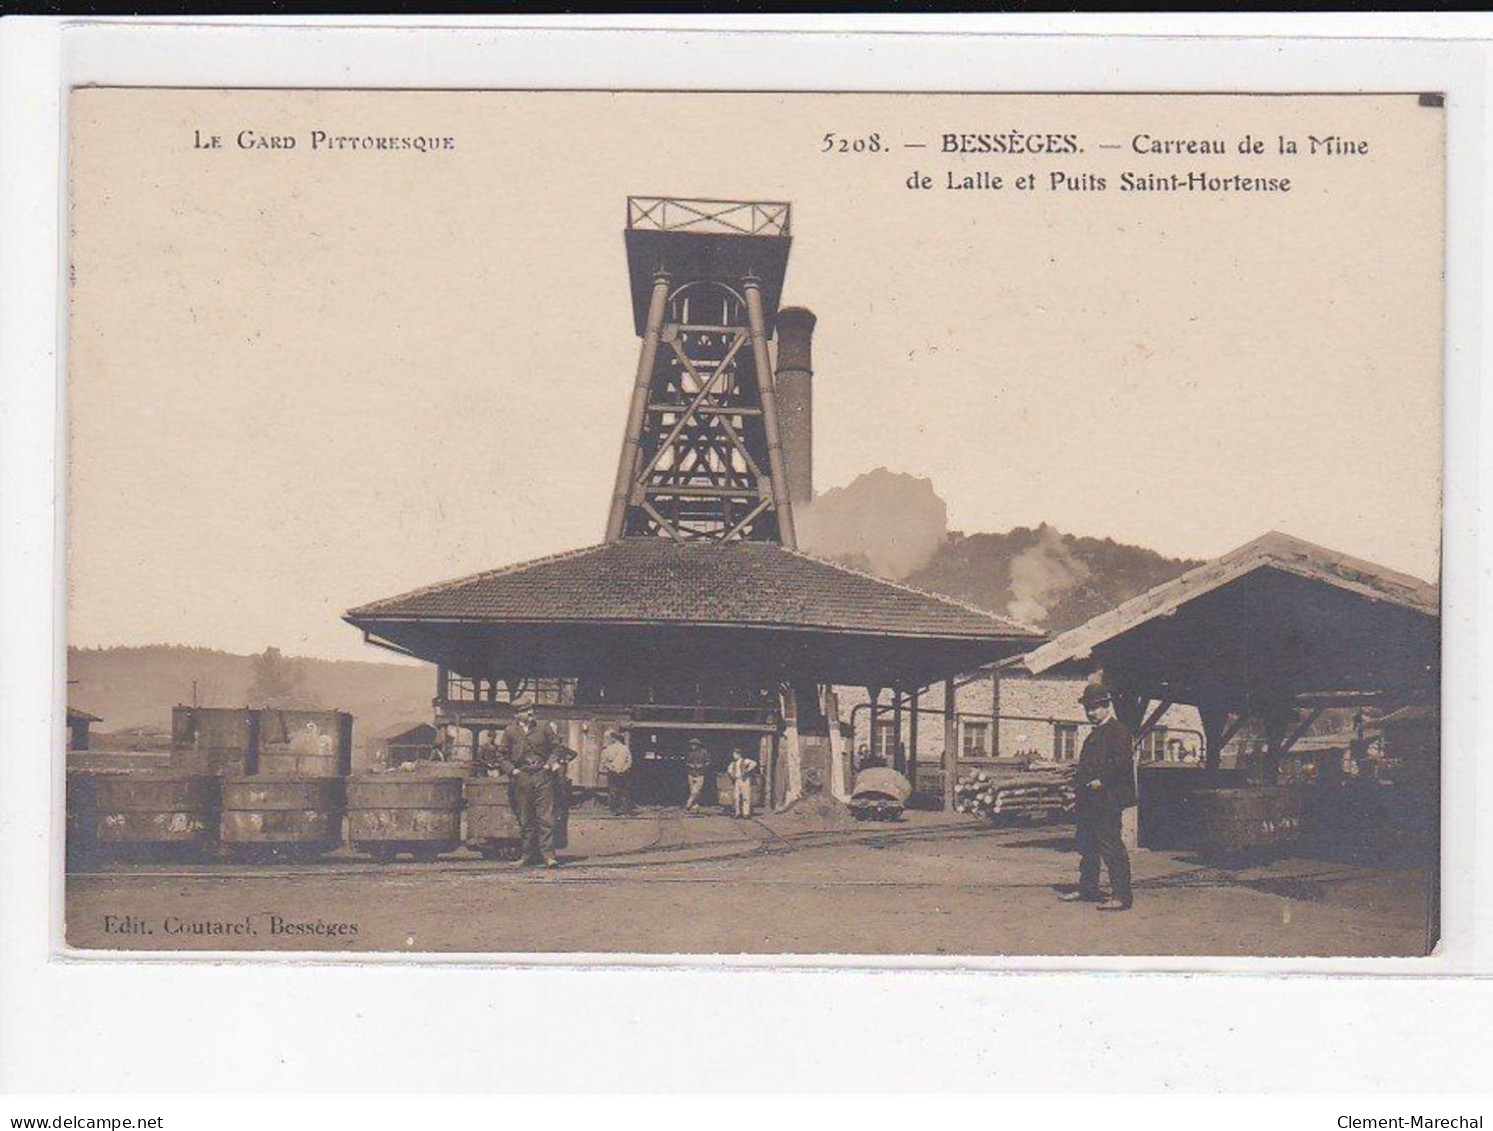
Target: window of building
{"type": "Point", "coordinates": [460, 689]}
{"type": "Point", "coordinates": [976, 742]}
{"type": "Point", "coordinates": [884, 740]}
{"type": "Point", "coordinates": [560, 692]}
{"type": "Point", "coordinates": [1065, 742]}
{"type": "Point", "coordinates": [1153, 746]}
{"type": "Point", "coordinates": [554, 692]}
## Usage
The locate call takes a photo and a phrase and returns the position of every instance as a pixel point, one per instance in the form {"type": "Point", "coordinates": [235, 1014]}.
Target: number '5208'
{"type": "Point", "coordinates": [835, 143]}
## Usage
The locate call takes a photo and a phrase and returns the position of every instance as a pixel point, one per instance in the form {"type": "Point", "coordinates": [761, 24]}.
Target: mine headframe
{"type": "Point", "coordinates": [702, 456]}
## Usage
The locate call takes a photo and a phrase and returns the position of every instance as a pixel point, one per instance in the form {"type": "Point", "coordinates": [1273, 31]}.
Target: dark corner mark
{"type": "Point", "coordinates": [1433, 100]}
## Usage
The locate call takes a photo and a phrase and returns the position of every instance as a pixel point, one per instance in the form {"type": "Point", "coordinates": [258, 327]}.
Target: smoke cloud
{"type": "Point", "coordinates": [1041, 574]}
{"type": "Point", "coordinates": [888, 523]}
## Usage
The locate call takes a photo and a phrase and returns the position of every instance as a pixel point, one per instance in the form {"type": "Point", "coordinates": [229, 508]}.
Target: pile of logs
{"type": "Point", "coordinates": [1040, 792]}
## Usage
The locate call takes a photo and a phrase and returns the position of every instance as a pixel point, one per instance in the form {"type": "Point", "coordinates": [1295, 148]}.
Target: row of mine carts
{"type": "Point", "coordinates": [260, 783]}
{"type": "Point", "coordinates": [275, 817]}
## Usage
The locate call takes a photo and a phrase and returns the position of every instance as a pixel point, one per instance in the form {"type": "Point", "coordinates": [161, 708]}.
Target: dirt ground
{"type": "Point", "coordinates": [792, 883]}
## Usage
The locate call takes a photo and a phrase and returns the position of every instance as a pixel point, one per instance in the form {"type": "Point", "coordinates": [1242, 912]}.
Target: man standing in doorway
{"type": "Point", "coordinates": [1105, 787]}
{"type": "Point", "coordinates": [533, 758]}
{"type": "Point", "coordinates": [616, 760]}
{"type": "Point", "coordinates": [697, 767]}
{"type": "Point", "coordinates": [743, 774]}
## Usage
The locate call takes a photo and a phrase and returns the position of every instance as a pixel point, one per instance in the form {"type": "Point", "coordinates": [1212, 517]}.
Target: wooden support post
{"type": "Point", "coordinates": [899, 753]}
{"type": "Point", "coordinates": [1161, 708]}
{"type": "Point", "coordinates": [912, 738]}
{"type": "Point", "coordinates": [1306, 722]}
{"type": "Point", "coordinates": [793, 771]}
{"type": "Point", "coordinates": [1131, 710]}
{"type": "Point", "coordinates": [770, 773]}
{"type": "Point", "coordinates": [950, 745]}
{"type": "Point", "coordinates": [1235, 724]}
{"type": "Point", "coordinates": [995, 712]}
{"type": "Point", "coordinates": [767, 748]}
{"type": "Point", "coordinates": [1280, 722]}
{"type": "Point", "coordinates": [1215, 722]}
{"type": "Point", "coordinates": [841, 773]}
{"type": "Point", "coordinates": [873, 697]}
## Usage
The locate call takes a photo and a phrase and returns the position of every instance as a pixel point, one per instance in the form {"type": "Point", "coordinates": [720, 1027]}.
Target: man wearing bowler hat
{"type": "Point", "coordinates": [1105, 788]}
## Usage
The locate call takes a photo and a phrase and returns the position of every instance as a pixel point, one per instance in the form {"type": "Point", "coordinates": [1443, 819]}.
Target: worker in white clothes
{"type": "Point", "coordinates": [616, 760]}
{"type": "Point", "coordinates": [743, 774]}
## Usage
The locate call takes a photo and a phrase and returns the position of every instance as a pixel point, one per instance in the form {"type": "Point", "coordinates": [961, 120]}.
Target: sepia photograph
{"type": "Point", "coordinates": [558, 523]}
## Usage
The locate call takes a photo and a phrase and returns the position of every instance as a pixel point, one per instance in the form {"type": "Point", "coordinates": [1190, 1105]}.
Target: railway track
{"type": "Point", "coordinates": [670, 845]}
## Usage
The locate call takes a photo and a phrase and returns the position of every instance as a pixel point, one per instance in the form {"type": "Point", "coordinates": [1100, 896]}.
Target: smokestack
{"type": "Point", "coordinates": [794, 385]}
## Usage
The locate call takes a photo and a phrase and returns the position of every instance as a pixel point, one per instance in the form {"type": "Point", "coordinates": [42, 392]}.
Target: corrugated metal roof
{"type": "Point", "coordinates": [655, 581]}
{"type": "Point", "coordinates": [1275, 551]}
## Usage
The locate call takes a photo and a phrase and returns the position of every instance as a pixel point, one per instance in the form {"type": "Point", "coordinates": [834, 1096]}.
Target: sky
{"type": "Point", "coordinates": [303, 379]}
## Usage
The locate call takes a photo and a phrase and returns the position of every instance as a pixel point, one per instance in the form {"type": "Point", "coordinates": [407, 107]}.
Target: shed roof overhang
{"type": "Point", "coordinates": [1277, 621]}
{"type": "Point", "coordinates": [592, 650]}
{"type": "Point", "coordinates": [694, 609]}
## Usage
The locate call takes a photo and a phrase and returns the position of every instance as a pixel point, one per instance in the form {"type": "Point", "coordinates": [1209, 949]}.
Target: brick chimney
{"type": "Point", "coordinates": [794, 384]}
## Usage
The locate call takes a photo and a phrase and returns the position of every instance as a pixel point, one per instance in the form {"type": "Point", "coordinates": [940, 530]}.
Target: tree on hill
{"type": "Point", "coordinates": [277, 681]}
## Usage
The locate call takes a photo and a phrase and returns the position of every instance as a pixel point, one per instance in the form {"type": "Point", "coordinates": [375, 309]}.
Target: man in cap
{"type": "Point", "coordinates": [1105, 788]}
{"type": "Point", "coordinates": [533, 759]}
{"type": "Point", "coordinates": [697, 766]}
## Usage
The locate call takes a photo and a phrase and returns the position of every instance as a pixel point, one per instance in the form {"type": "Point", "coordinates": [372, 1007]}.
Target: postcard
{"type": "Point", "coordinates": [546, 523]}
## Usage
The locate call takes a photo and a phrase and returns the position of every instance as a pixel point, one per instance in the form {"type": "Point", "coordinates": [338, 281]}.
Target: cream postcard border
{"type": "Point", "coordinates": [213, 54]}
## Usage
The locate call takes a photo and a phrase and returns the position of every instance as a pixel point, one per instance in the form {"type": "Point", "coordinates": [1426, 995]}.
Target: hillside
{"type": "Point", "coordinates": [129, 687]}
{"type": "Point", "coordinates": [1050, 580]}
{"type": "Point", "coordinates": [896, 525]}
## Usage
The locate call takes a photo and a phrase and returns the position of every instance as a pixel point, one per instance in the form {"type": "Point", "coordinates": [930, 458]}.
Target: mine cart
{"type": "Point", "coordinates": [295, 817]}
{"type": "Point", "coordinates": [155, 813]}
{"type": "Point", "coordinates": [251, 740]}
{"type": "Point", "coordinates": [389, 814]}
{"type": "Point", "coordinates": [1230, 822]}
{"type": "Point", "coordinates": [492, 829]}
{"type": "Point", "coordinates": [880, 795]}
{"type": "Point", "coordinates": [82, 842]}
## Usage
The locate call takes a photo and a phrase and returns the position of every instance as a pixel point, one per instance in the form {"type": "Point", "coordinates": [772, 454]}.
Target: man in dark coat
{"type": "Point", "coordinates": [533, 758]}
{"type": "Point", "coordinates": [698, 765]}
{"type": "Point", "coordinates": [561, 785]}
{"type": "Point", "coordinates": [1105, 788]}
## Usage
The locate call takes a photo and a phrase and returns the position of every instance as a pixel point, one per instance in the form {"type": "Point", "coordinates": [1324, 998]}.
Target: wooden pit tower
{"type": "Point", "coordinates": [698, 616]}
{"type": "Point", "coordinates": [702, 458]}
